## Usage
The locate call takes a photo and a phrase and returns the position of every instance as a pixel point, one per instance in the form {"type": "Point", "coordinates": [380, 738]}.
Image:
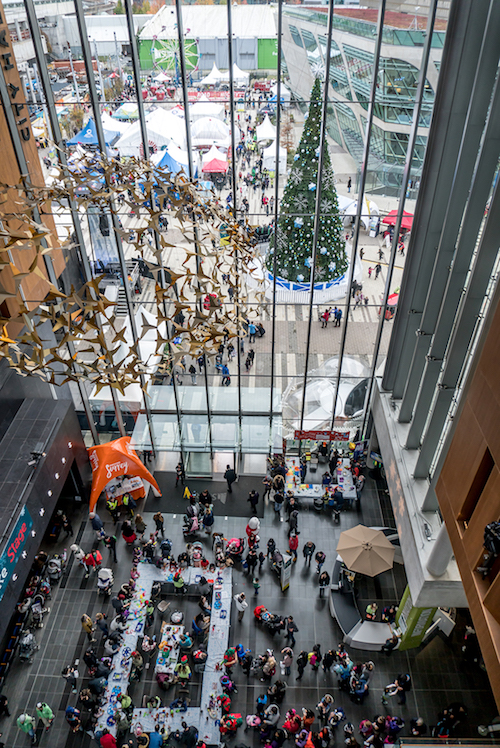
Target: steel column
{"type": "Point", "coordinates": [87, 57]}
{"type": "Point", "coordinates": [234, 187]}
{"type": "Point", "coordinates": [361, 193]}
{"type": "Point", "coordinates": [466, 321]}
{"type": "Point", "coordinates": [185, 98]}
{"type": "Point", "coordinates": [317, 203]}
{"type": "Point", "coordinates": [276, 213]}
{"type": "Point", "coordinates": [402, 198]}
{"type": "Point", "coordinates": [144, 136]}
{"type": "Point", "coordinates": [466, 24]}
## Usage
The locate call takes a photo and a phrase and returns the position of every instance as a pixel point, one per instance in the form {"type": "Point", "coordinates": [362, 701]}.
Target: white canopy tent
{"type": "Point", "coordinates": [266, 131]}
{"type": "Point", "coordinates": [239, 76]}
{"type": "Point", "coordinates": [214, 77]}
{"type": "Point", "coordinates": [161, 78]}
{"type": "Point", "coordinates": [205, 108]}
{"type": "Point", "coordinates": [368, 209]}
{"type": "Point", "coordinates": [269, 158]}
{"type": "Point", "coordinates": [212, 154]}
{"type": "Point", "coordinates": [163, 128]}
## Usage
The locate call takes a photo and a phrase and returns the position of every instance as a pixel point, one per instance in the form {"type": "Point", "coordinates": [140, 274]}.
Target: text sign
{"type": "Point", "coordinates": [325, 436]}
{"type": "Point", "coordinates": [14, 548]}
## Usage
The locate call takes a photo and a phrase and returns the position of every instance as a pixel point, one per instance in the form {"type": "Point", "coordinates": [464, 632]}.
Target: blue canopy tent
{"type": "Point", "coordinates": [88, 136]}
{"type": "Point", "coordinates": [174, 160]}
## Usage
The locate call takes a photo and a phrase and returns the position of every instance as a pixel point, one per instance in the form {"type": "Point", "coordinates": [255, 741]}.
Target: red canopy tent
{"type": "Point", "coordinates": [112, 460]}
{"type": "Point", "coordinates": [391, 217]}
{"type": "Point", "coordinates": [215, 166]}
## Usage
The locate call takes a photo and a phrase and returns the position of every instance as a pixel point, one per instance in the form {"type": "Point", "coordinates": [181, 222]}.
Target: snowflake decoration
{"type": "Point", "coordinates": [300, 203]}
{"type": "Point", "coordinates": [326, 206]}
{"type": "Point", "coordinates": [296, 177]}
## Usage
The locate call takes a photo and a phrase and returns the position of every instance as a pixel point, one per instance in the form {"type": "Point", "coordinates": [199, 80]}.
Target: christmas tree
{"type": "Point", "coordinates": [294, 237]}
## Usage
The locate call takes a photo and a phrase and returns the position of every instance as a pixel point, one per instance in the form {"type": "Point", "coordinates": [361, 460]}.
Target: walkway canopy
{"type": "Point", "coordinates": [88, 136]}
{"type": "Point", "coordinates": [112, 460]}
{"type": "Point", "coordinates": [266, 131]}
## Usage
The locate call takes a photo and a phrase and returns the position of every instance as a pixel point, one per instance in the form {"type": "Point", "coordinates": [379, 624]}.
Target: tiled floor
{"type": "Point", "coordinates": [437, 674]}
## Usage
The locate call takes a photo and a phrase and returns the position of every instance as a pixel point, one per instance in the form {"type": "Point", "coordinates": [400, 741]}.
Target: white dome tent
{"type": "Point", "coordinates": [214, 77]}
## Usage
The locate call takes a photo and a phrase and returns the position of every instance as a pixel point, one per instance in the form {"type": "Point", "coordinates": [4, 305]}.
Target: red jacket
{"type": "Point", "coordinates": [293, 542]}
{"type": "Point", "coordinates": [108, 741]}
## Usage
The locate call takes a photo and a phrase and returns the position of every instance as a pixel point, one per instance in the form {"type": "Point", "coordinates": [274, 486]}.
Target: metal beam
{"type": "Point", "coordinates": [361, 193]}
{"type": "Point", "coordinates": [486, 70]}
{"type": "Point", "coordinates": [317, 203]}
{"type": "Point", "coordinates": [465, 31]}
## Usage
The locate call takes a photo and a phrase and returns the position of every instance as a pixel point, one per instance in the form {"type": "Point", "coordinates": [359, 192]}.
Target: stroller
{"type": "Point", "coordinates": [55, 567]}
{"type": "Point", "coordinates": [235, 548]}
{"type": "Point", "coordinates": [105, 580]}
{"type": "Point", "coordinates": [27, 647]}
{"type": "Point", "coordinates": [38, 611]}
{"type": "Point", "coordinates": [191, 525]}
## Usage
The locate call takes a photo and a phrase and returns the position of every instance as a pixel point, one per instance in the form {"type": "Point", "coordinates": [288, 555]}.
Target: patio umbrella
{"type": "Point", "coordinates": [365, 550]}
{"type": "Point", "coordinates": [406, 221]}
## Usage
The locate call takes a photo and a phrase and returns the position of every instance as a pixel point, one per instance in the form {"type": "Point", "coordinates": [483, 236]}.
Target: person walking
{"type": "Point", "coordinates": [251, 332]}
{"type": "Point", "coordinates": [101, 624]}
{"type": "Point", "coordinates": [110, 543]}
{"type": "Point", "coordinates": [253, 498]}
{"type": "Point", "coordinates": [97, 523]}
{"type": "Point", "coordinates": [230, 477]}
{"type": "Point", "coordinates": [88, 627]}
{"type": "Point", "coordinates": [267, 483]}
{"type": "Point", "coordinates": [4, 706]}
{"type": "Point", "coordinates": [26, 723]}
{"type": "Point", "coordinates": [45, 713]}
{"type": "Point", "coordinates": [328, 660]}
{"type": "Point", "coordinates": [241, 605]}
{"type": "Point", "coordinates": [325, 317]}
{"type": "Point", "coordinates": [159, 523]}
{"type": "Point", "coordinates": [291, 630]}
{"type": "Point", "coordinates": [302, 661]}
{"type": "Point", "coordinates": [67, 526]}
{"type": "Point", "coordinates": [179, 474]}
{"type": "Point", "coordinates": [192, 371]}
{"type": "Point", "coordinates": [140, 525]}
{"type": "Point", "coordinates": [293, 544]}
{"type": "Point", "coordinates": [378, 270]}
{"type": "Point", "coordinates": [324, 581]}
{"type": "Point", "coordinates": [251, 561]}
{"type": "Point", "coordinates": [256, 585]}
{"type": "Point", "coordinates": [349, 184]}
{"type": "Point", "coordinates": [307, 552]}
{"type": "Point", "coordinates": [370, 270]}
{"type": "Point", "coordinates": [338, 317]}
{"type": "Point", "coordinates": [320, 560]}
{"type": "Point", "coordinates": [287, 661]}
{"type": "Point", "coordinates": [70, 675]}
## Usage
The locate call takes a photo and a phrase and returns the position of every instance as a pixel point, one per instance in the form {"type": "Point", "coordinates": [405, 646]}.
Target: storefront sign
{"type": "Point", "coordinates": [324, 436]}
{"type": "Point", "coordinates": [14, 548]}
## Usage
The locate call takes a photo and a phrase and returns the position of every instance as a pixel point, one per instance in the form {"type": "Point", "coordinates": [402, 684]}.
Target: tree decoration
{"type": "Point", "coordinates": [295, 241]}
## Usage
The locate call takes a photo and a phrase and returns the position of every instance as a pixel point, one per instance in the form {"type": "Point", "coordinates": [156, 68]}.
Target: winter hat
{"type": "Point", "coordinates": [184, 658]}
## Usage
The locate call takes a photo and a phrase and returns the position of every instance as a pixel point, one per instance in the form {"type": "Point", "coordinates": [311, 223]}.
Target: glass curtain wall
{"type": "Point", "coordinates": [297, 373]}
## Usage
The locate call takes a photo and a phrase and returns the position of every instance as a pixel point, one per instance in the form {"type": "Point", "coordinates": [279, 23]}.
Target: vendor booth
{"type": "Point", "coordinates": [117, 468]}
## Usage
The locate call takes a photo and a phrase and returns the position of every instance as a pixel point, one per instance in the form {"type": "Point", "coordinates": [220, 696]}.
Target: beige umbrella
{"type": "Point", "coordinates": [365, 550]}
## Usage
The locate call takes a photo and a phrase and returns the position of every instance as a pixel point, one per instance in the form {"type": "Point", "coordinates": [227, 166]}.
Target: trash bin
{"type": "Point", "coordinates": [162, 608]}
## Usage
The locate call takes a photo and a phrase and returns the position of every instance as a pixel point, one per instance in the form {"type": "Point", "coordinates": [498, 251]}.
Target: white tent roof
{"type": "Point", "coordinates": [266, 131]}
{"type": "Point", "coordinates": [269, 158]}
{"type": "Point", "coordinates": [163, 128]}
{"type": "Point", "coordinates": [161, 77]}
{"type": "Point", "coordinates": [238, 75]}
{"type": "Point", "coordinates": [209, 128]}
{"type": "Point", "coordinates": [205, 108]}
{"type": "Point", "coordinates": [114, 124]}
{"type": "Point", "coordinates": [214, 76]}
{"type": "Point", "coordinates": [214, 153]}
